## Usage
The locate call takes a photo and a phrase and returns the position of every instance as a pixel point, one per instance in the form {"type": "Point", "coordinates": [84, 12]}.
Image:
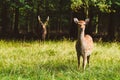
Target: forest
{"type": "Point", "coordinates": [19, 18]}
{"type": "Point", "coordinates": [25, 23]}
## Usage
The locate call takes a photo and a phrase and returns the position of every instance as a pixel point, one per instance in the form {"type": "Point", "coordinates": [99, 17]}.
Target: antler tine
{"type": "Point", "coordinates": [40, 20]}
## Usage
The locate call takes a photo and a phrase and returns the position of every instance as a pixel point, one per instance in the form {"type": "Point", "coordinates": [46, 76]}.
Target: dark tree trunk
{"type": "Point", "coordinates": [4, 18]}
{"type": "Point", "coordinates": [38, 28]}
{"type": "Point", "coordinates": [89, 27]}
{"type": "Point", "coordinates": [16, 31]}
{"type": "Point", "coordinates": [111, 29]}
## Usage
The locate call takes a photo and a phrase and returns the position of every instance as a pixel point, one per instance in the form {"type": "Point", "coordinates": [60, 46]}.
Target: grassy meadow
{"type": "Point", "coordinates": [56, 60]}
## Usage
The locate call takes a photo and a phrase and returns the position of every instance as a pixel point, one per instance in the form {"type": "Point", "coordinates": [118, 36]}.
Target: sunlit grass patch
{"type": "Point", "coordinates": [56, 60]}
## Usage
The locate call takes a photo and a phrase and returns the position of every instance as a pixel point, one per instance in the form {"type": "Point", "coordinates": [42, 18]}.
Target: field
{"type": "Point", "coordinates": [56, 60]}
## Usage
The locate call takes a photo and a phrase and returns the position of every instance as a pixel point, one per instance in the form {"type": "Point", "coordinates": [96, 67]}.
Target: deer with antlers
{"type": "Point", "coordinates": [84, 44]}
{"type": "Point", "coordinates": [44, 29]}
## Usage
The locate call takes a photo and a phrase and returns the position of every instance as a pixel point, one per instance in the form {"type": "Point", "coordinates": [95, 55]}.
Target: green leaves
{"type": "Point", "coordinates": [22, 1]}
{"type": "Point", "coordinates": [76, 4]}
{"type": "Point", "coordinates": [118, 3]}
{"type": "Point", "coordinates": [102, 5]}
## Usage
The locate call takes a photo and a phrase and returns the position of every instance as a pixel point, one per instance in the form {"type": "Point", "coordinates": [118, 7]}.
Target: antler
{"type": "Point", "coordinates": [40, 20]}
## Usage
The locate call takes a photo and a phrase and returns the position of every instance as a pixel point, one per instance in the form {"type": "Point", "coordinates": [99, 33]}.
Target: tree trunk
{"type": "Point", "coordinates": [111, 29]}
{"type": "Point", "coordinates": [4, 18]}
{"type": "Point", "coordinates": [89, 26]}
{"type": "Point", "coordinates": [16, 31]}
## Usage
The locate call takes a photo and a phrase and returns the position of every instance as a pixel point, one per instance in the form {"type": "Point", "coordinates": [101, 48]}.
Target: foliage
{"type": "Point", "coordinates": [56, 60]}
{"type": "Point", "coordinates": [76, 4]}
{"type": "Point", "coordinates": [102, 5]}
{"type": "Point", "coordinates": [21, 15]}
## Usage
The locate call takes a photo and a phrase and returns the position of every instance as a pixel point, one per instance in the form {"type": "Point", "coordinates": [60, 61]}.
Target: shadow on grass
{"type": "Point", "coordinates": [59, 66]}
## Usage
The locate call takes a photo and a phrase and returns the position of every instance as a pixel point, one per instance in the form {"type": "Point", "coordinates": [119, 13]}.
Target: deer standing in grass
{"type": "Point", "coordinates": [84, 44]}
{"type": "Point", "coordinates": [44, 29]}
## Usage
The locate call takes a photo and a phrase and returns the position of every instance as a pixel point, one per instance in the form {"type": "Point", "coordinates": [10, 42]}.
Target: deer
{"type": "Point", "coordinates": [44, 29]}
{"type": "Point", "coordinates": [84, 44]}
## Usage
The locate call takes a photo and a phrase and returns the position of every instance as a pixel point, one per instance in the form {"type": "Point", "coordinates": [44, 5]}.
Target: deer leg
{"type": "Point", "coordinates": [84, 61]}
{"type": "Point", "coordinates": [88, 59]}
{"type": "Point", "coordinates": [78, 58]}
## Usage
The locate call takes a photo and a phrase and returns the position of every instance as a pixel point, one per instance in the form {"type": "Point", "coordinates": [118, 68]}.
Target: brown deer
{"type": "Point", "coordinates": [44, 29]}
{"type": "Point", "coordinates": [84, 44]}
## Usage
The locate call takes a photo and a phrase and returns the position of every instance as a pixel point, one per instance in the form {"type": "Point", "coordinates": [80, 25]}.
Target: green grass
{"type": "Point", "coordinates": [56, 60]}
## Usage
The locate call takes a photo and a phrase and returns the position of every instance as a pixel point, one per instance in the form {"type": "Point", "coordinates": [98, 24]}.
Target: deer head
{"type": "Point", "coordinates": [45, 23]}
{"type": "Point", "coordinates": [81, 23]}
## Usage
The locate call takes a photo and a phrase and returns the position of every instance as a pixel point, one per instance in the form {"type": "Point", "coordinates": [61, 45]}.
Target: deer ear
{"type": "Point", "coordinates": [76, 20]}
{"type": "Point", "coordinates": [46, 22]}
{"type": "Point", "coordinates": [39, 19]}
{"type": "Point", "coordinates": [48, 18]}
{"type": "Point", "coordinates": [87, 20]}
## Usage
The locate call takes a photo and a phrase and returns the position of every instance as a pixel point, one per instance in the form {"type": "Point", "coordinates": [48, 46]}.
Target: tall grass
{"type": "Point", "coordinates": [56, 60]}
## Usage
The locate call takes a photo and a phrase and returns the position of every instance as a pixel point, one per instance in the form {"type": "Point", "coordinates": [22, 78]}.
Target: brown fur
{"type": "Point", "coordinates": [44, 29]}
{"type": "Point", "coordinates": [84, 44]}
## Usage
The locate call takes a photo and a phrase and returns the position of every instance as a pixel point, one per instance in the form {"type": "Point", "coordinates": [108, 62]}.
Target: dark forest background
{"type": "Point", "coordinates": [18, 18]}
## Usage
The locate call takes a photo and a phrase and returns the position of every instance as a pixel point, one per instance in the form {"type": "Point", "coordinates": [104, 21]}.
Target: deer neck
{"type": "Point", "coordinates": [81, 34]}
{"type": "Point", "coordinates": [44, 29]}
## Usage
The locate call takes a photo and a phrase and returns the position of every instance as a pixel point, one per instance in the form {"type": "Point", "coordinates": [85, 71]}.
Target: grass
{"type": "Point", "coordinates": [56, 60]}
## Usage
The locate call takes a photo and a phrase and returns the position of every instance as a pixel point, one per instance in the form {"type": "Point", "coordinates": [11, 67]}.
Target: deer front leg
{"type": "Point", "coordinates": [78, 58]}
{"type": "Point", "coordinates": [84, 61]}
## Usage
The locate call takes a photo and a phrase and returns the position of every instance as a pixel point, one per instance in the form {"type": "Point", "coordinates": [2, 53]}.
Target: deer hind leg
{"type": "Point", "coordinates": [88, 59]}
{"type": "Point", "coordinates": [84, 61]}
{"type": "Point", "coordinates": [78, 58]}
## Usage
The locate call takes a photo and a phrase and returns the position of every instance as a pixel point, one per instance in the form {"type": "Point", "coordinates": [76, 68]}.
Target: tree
{"type": "Point", "coordinates": [115, 5]}
{"type": "Point", "coordinates": [15, 5]}
{"type": "Point", "coordinates": [4, 16]}
{"type": "Point", "coordinates": [22, 14]}
{"type": "Point", "coordinates": [100, 6]}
